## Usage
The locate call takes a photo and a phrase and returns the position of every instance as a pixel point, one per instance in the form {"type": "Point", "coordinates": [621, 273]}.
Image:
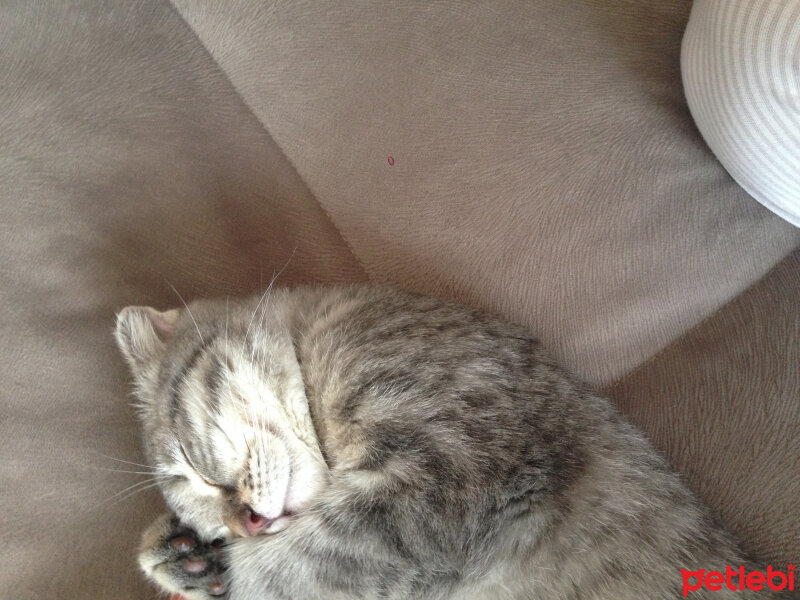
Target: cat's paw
{"type": "Point", "coordinates": [172, 556]}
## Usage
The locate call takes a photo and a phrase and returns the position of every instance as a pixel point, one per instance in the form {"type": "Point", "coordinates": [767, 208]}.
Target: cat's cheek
{"type": "Point", "coordinates": [305, 486]}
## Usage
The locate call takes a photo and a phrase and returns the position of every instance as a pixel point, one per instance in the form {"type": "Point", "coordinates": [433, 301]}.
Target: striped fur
{"type": "Point", "coordinates": [419, 449]}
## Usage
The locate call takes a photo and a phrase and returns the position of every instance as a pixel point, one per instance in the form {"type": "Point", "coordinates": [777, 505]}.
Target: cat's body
{"type": "Point", "coordinates": [363, 443]}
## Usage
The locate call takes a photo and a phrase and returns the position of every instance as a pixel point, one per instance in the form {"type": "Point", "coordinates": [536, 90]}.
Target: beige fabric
{"type": "Point", "coordinates": [545, 166]}
{"type": "Point", "coordinates": [724, 403]}
{"type": "Point", "coordinates": [126, 162]}
{"type": "Point", "coordinates": [545, 163]}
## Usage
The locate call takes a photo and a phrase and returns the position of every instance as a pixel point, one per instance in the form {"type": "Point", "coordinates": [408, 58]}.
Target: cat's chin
{"type": "Point", "coordinates": [279, 524]}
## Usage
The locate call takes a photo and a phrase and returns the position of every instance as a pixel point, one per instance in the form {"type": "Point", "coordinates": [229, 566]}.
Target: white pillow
{"type": "Point", "coordinates": [741, 73]}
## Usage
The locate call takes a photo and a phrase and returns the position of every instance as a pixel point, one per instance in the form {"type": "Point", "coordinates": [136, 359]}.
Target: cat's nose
{"type": "Point", "coordinates": [254, 523]}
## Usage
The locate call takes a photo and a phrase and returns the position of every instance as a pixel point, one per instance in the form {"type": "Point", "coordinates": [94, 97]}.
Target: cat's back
{"type": "Point", "coordinates": [393, 371]}
{"type": "Point", "coordinates": [509, 448]}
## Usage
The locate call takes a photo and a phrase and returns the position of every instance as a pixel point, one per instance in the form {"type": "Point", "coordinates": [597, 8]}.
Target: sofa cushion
{"type": "Point", "coordinates": [545, 162]}
{"type": "Point", "coordinates": [723, 404]}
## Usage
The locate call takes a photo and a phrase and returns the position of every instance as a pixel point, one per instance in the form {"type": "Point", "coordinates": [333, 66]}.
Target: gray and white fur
{"type": "Point", "coordinates": [356, 442]}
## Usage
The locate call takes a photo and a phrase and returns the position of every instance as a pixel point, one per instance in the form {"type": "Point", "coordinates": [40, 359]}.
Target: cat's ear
{"type": "Point", "coordinates": [142, 334]}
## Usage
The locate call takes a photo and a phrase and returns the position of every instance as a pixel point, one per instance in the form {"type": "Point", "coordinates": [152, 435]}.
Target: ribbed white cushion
{"type": "Point", "coordinates": [741, 74]}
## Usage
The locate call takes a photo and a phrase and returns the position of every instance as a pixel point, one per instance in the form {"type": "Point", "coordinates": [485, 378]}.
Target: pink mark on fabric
{"type": "Point", "coordinates": [390, 160]}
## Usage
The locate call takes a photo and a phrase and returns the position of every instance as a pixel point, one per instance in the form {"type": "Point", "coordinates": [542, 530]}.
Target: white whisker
{"type": "Point", "coordinates": [127, 462]}
{"type": "Point", "coordinates": [123, 471]}
{"type": "Point", "coordinates": [134, 492]}
{"type": "Point", "coordinates": [188, 310]}
{"type": "Point", "coordinates": [139, 486]}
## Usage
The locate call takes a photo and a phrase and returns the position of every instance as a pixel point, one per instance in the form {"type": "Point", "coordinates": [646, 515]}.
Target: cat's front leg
{"type": "Point", "coordinates": [173, 556]}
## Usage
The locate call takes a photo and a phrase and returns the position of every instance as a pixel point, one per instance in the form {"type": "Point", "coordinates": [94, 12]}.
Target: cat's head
{"type": "Point", "coordinates": [225, 418]}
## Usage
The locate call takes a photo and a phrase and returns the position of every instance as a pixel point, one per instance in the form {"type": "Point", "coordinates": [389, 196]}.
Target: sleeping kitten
{"type": "Point", "coordinates": [357, 442]}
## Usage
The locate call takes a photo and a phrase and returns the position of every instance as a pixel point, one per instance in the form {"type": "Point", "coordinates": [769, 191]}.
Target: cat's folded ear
{"type": "Point", "coordinates": [143, 332]}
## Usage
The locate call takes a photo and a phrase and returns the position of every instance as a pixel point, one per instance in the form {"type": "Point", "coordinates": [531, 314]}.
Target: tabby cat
{"type": "Point", "coordinates": [356, 442]}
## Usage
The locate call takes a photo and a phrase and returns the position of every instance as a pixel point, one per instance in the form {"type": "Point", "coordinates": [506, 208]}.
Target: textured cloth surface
{"type": "Point", "coordinates": [551, 175]}
{"type": "Point", "coordinates": [723, 403]}
{"type": "Point", "coordinates": [545, 163]}
{"type": "Point", "coordinates": [126, 162]}
{"type": "Point", "coordinates": [741, 71]}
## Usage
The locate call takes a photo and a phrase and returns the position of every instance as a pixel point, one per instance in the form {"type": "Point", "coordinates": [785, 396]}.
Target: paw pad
{"type": "Point", "coordinates": [217, 589]}
{"type": "Point", "coordinates": [182, 543]}
{"type": "Point", "coordinates": [183, 564]}
{"type": "Point", "coordinates": [195, 566]}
